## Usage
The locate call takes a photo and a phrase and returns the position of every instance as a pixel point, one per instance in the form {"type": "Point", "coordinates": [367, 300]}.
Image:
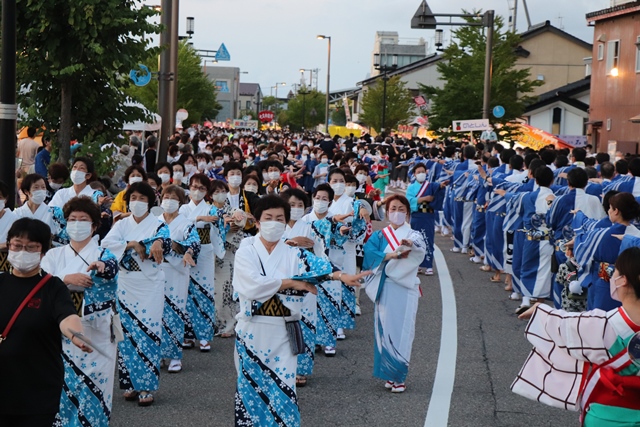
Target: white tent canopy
{"type": "Point", "coordinates": [140, 125]}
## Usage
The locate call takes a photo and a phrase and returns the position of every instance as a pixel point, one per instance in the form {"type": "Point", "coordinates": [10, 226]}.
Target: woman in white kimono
{"type": "Point", "coordinates": [344, 257]}
{"type": "Point", "coordinates": [90, 272]}
{"type": "Point", "coordinates": [185, 247]}
{"type": "Point", "coordinates": [325, 234]}
{"type": "Point", "coordinates": [34, 188]}
{"type": "Point", "coordinates": [200, 304]}
{"type": "Point", "coordinates": [7, 218]}
{"type": "Point", "coordinates": [82, 171]}
{"type": "Point", "coordinates": [589, 361]}
{"type": "Point", "coordinates": [268, 279]}
{"type": "Point", "coordinates": [140, 244]}
{"type": "Point", "coordinates": [394, 254]}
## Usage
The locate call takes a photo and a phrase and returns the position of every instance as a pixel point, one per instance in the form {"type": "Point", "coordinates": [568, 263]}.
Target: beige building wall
{"type": "Point", "coordinates": [558, 60]}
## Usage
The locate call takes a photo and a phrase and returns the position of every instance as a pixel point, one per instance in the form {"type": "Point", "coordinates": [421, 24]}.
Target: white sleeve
{"type": "Point", "coordinates": [248, 279]}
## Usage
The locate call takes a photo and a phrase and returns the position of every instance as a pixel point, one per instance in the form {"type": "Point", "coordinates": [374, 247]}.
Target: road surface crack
{"type": "Point", "coordinates": [485, 359]}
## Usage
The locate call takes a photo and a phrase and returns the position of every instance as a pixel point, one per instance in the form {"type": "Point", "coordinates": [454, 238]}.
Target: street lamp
{"type": "Point", "coordinates": [190, 26]}
{"type": "Point", "coordinates": [276, 88]}
{"type": "Point", "coordinates": [425, 19]}
{"type": "Point", "coordinates": [384, 70]}
{"type": "Point", "coordinates": [326, 106]}
{"type": "Point", "coordinates": [303, 70]}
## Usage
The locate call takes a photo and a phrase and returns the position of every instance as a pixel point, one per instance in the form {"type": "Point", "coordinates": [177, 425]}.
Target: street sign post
{"type": "Point", "coordinates": [222, 54]}
{"type": "Point", "coordinates": [471, 125]}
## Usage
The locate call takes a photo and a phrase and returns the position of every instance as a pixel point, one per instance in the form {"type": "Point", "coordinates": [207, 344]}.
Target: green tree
{"type": "Point", "coordinates": [73, 64]}
{"type": "Point", "coordinates": [462, 68]}
{"type": "Point", "coordinates": [399, 104]}
{"type": "Point", "coordinates": [196, 93]}
{"type": "Point", "coordinates": [270, 103]}
{"type": "Point", "coordinates": [306, 109]}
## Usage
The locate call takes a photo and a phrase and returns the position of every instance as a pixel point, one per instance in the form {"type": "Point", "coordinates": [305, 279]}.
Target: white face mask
{"type": "Point", "coordinates": [272, 231]}
{"type": "Point", "coordinates": [320, 206]}
{"type": "Point", "coordinates": [265, 177]}
{"type": "Point", "coordinates": [189, 168]}
{"type": "Point", "coordinates": [219, 197]}
{"type": "Point", "coordinates": [197, 195]}
{"type": "Point", "coordinates": [297, 213]}
{"type": "Point", "coordinates": [202, 165]}
{"type": "Point", "coordinates": [165, 177]}
{"type": "Point", "coordinates": [170, 205]}
{"type": "Point", "coordinates": [79, 230]}
{"type": "Point", "coordinates": [420, 177]}
{"type": "Point", "coordinates": [305, 152]}
{"type": "Point", "coordinates": [251, 188]}
{"type": "Point", "coordinates": [24, 261]}
{"type": "Point", "coordinates": [177, 177]}
{"type": "Point", "coordinates": [338, 188]}
{"type": "Point", "coordinates": [219, 163]}
{"type": "Point", "coordinates": [134, 179]}
{"type": "Point", "coordinates": [209, 152]}
{"type": "Point", "coordinates": [274, 176]}
{"type": "Point", "coordinates": [226, 158]}
{"type": "Point", "coordinates": [234, 181]}
{"type": "Point", "coordinates": [613, 289]}
{"type": "Point", "coordinates": [361, 178]}
{"type": "Point", "coordinates": [397, 218]}
{"type": "Point", "coordinates": [138, 209]}
{"type": "Point", "coordinates": [38, 196]}
{"type": "Point", "coordinates": [55, 186]}
{"type": "Point", "coordinates": [350, 191]}
{"type": "Point", "coordinates": [78, 177]}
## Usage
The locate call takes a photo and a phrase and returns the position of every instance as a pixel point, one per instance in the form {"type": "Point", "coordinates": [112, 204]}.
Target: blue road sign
{"type": "Point", "coordinates": [498, 111]}
{"type": "Point", "coordinates": [223, 54]}
{"type": "Point", "coordinates": [142, 77]}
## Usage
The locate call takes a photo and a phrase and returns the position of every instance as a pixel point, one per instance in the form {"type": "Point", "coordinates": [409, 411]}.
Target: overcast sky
{"type": "Point", "coordinates": [273, 39]}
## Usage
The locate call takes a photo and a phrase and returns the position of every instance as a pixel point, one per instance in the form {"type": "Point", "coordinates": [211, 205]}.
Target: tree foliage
{"type": "Point", "coordinates": [73, 64]}
{"type": "Point", "coordinates": [196, 93]}
{"type": "Point", "coordinates": [339, 116]}
{"type": "Point", "coordinates": [306, 109]}
{"type": "Point", "coordinates": [399, 104]}
{"type": "Point", "coordinates": [462, 68]}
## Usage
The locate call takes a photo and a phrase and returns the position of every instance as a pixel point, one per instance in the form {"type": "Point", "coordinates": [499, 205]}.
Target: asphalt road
{"type": "Point", "coordinates": [342, 392]}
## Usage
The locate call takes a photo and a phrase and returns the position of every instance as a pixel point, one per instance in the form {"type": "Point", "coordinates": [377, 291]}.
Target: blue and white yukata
{"type": "Point", "coordinates": [559, 215]}
{"type": "Point", "coordinates": [320, 314]}
{"type": "Point", "coordinates": [87, 392]}
{"type": "Point", "coordinates": [50, 215]}
{"type": "Point", "coordinates": [596, 252]}
{"type": "Point", "coordinates": [200, 303]}
{"type": "Point", "coordinates": [140, 300]}
{"type": "Point", "coordinates": [463, 207]}
{"type": "Point", "coordinates": [423, 215]}
{"type": "Point", "coordinates": [537, 250]}
{"type": "Point", "coordinates": [395, 289]}
{"type": "Point", "coordinates": [266, 365]}
{"type": "Point", "coordinates": [344, 258]}
{"type": "Point", "coordinates": [176, 285]}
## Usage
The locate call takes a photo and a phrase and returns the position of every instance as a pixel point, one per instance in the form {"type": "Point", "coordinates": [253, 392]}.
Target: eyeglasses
{"type": "Point", "coordinates": [194, 188]}
{"type": "Point", "coordinates": [31, 247]}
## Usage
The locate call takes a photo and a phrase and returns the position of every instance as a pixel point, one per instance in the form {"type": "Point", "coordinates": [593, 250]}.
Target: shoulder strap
{"type": "Point", "coordinates": [39, 286]}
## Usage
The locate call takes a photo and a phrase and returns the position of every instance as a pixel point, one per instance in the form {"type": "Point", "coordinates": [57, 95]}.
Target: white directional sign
{"type": "Point", "coordinates": [471, 125]}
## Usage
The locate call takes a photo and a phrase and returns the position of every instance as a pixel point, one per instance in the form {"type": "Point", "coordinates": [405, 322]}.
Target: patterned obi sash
{"type": "Point", "coordinates": [130, 264]}
{"type": "Point", "coordinates": [205, 235]}
{"type": "Point", "coordinates": [5, 266]}
{"type": "Point", "coordinates": [77, 298]}
{"type": "Point", "coordinates": [272, 307]}
{"type": "Point", "coordinates": [425, 208]}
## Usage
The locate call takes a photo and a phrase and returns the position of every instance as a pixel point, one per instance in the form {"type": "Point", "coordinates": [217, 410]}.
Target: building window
{"type": "Point", "coordinates": [613, 56]}
{"type": "Point", "coordinates": [600, 51]}
{"type": "Point", "coordinates": [248, 105]}
{"type": "Point", "coordinates": [638, 54]}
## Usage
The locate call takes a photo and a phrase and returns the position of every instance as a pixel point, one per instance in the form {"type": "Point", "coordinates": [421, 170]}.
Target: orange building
{"type": "Point", "coordinates": [615, 78]}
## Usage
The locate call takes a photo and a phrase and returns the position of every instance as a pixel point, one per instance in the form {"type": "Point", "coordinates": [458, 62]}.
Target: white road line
{"type": "Point", "coordinates": [438, 412]}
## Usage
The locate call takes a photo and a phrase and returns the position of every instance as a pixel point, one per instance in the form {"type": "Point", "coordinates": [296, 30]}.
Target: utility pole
{"type": "Point", "coordinates": [8, 107]}
{"type": "Point", "coordinates": [164, 79]}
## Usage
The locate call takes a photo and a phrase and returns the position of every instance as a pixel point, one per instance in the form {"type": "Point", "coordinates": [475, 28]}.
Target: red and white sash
{"type": "Point", "coordinates": [390, 235]}
{"type": "Point", "coordinates": [423, 189]}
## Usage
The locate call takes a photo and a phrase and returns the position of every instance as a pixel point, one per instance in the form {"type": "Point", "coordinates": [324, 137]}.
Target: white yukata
{"type": "Point", "coordinates": [580, 362]}
{"type": "Point", "coordinates": [266, 387]}
{"type": "Point", "coordinates": [176, 286]}
{"type": "Point", "coordinates": [50, 215]}
{"type": "Point", "coordinates": [344, 257]}
{"type": "Point", "coordinates": [201, 303]}
{"type": "Point", "coordinates": [395, 289]}
{"type": "Point", "coordinates": [63, 195]}
{"type": "Point", "coordinates": [6, 221]}
{"type": "Point", "coordinates": [87, 393]}
{"type": "Point", "coordinates": [140, 301]}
